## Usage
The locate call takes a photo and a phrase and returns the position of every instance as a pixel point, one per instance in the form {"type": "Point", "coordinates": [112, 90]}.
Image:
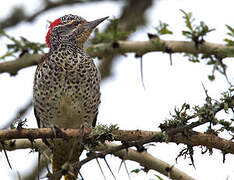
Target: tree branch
{"type": "Point", "coordinates": [138, 47]}
{"type": "Point", "coordinates": [18, 14]}
{"type": "Point", "coordinates": [13, 67]}
{"type": "Point", "coordinates": [193, 138]}
{"type": "Point", "coordinates": [144, 158]}
{"type": "Point", "coordinates": [158, 45]}
{"type": "Point", "coordinates": [147, 160]}
{"type": "Point", "coordinates": [18, 115]}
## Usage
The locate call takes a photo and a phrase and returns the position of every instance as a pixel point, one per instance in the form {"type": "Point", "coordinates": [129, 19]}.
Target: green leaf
{"type": "Point", "coordinates": [211, 62]}
{"type": "Point", "coordinates": [162, 29]}
{"type": "Point", "coordinates": [188, 19]}
{"type": "Point", "coordinates": [7, 54]}
{"type": "Point", "coordinates": [230, 42]}
{"type": "Point", "coordinates": [231, 30]}
{"type": "Point", "coordinates": [136, 171]}
{"type": "Point", "coordinates": [160, 178]}
{"type": "Point", "coordinates": [211, 77]}
{"type": "Point", "coordinates": [21, 46]}
{"type": "Point", "coordinates": [113, 33]}
{"type": "Point", "coordinates": [195, 33]}
{"type": "Point", "coordinates": [187, 34]}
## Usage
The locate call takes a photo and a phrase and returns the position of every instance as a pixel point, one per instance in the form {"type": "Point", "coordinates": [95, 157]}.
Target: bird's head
{"type": "Point", "coordinates": [70, 29]}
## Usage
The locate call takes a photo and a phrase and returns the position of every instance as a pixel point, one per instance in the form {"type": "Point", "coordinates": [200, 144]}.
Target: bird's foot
{"type": "Point", "coordinates": [84, 128]}
{"type": "Point", "coordinates": [56, 130]}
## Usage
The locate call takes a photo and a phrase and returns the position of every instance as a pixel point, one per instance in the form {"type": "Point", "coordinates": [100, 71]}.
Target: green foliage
{"type": "Point", "coordinates": [20, 47]}
{"type": "Point", "coordinates": [230, 42]}
{"type": "Point", "coordinates": [157, 43]}
{"type": "Point", "coordinates": [212, 60]}
{"type": "Point", "coordinates": [226, 125]}
{"type": "Point", "coordinates": [193, 58]}
{"type": "Point", "coordinates": [183, 121]}
{"type": "Point", "coordinates": [195, 33]}
{"type": "Point", "coordinates": [19, 124]}
{"type": "Point", "coordinates": [178, 119]}
{"type": "Point", "coordinates": [101, 133]}
{"type": "Point", "coordinates": [96, 49]}
{"type": "Point", "coordinates": [228, 99]}
{"type": "Point", "coordinates": [203, 114]}
{"type": "Point", "coordinates": [112, 34]}
{"type": "Point", "coordinates": [211, 77]}
{"type": "Point", "coordinates": [162, 29]}
{"type": "Point", "coordinates": [159, 177]}
{"type": "Point", "coordinates": [142, 169]}
{"type": "Point", "coordinates": [217, 64]}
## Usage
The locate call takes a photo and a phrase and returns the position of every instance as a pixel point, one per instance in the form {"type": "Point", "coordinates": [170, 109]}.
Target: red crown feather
{"type": "Point", "coordinates": [53, 24]}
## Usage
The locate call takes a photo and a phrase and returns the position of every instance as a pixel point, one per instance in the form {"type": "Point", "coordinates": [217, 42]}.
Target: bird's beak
{"type": "Point", "coordinates": [92, 24]}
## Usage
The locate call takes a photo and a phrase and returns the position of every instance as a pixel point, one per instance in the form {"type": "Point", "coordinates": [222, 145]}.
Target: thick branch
{"type": "Point", "coordinates": [138, 47]}
{"type": "Point", "coordinates": [158, 45]}
{"type": "Point", "coordinates": [143, 158]}
{"type": "Point", "coordinates": [147, 160]}
{"type": "Point", "coordinates": [193, 139]}
{"type": "Point", "coordinates": [13, 67]}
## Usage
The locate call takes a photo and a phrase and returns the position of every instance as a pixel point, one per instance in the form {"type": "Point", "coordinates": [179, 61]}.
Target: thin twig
{"type": "Point", "coordinates": [19, 114]}
{"type": "Point", "coordinates": [4, 150]}
{"type": "Point", "coordinates": [125, 166]}
{"type": "Point", "coordinates": [142, 75]}
{"type": "Point", "coordinates": [109, 167]}
{"type": "Point", "coordinates": [100, 168]}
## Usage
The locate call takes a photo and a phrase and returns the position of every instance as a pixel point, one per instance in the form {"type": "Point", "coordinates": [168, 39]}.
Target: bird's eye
{"type": "Point", "coordinates": [55, 28]}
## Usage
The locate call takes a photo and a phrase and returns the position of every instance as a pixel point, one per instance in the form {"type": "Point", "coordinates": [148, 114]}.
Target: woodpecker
{"type": "Point", "coordinates": [66, 88]}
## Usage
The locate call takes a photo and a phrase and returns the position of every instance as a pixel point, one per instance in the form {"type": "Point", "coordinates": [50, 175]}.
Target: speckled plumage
{"type": "Point", "coordinates": [66, 88]}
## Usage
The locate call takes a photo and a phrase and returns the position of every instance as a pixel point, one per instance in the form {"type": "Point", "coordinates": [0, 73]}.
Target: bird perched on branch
{"type": "Point", "coordinates": [66, 87]}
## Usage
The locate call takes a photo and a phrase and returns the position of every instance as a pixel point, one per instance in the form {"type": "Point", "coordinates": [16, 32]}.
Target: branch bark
{"type": "Point", "coordinates": [158, 45]}
{"type": "Point", "coordinates": [147, 160]}
{"type": "Point", "coordinates": [138, 47]}
{"type": "Point", "coordinates": [193, 139]}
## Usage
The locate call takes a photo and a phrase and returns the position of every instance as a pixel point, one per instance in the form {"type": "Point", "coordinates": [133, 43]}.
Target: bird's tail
{"type": "Point", "coordinates": [66, 151]}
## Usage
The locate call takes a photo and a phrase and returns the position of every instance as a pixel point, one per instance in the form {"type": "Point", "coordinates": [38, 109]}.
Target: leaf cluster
{"type": "Point", "coordinates": [113, 33]}
{"type": "Point", "coordinates": [228, 103]}
{"type": "Point", "coordinates": [162, 29]}
{"type": "Point", "coordinates": [178, 119]}
{"type": "Point", "coordinates": [195, 33]}
{"type": "Point", "coordinates": [202, 114]}
{"type": "Point", "coordinates": [19, 124]}
{"type": "Point", "coordinates": [141, 169]}
{"type": "Point", "coordinates": [21, 46]}
{"type": "Point", "coordinates": [217, 63]}
{"type": "Point", "coordinates": [101, 133]}
{"type": "Point", "coordinates": [230, 42]}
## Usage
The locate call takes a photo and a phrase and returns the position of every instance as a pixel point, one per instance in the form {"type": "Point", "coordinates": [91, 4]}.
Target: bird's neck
{"type": "Point", "coordinates": [75, 48]}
